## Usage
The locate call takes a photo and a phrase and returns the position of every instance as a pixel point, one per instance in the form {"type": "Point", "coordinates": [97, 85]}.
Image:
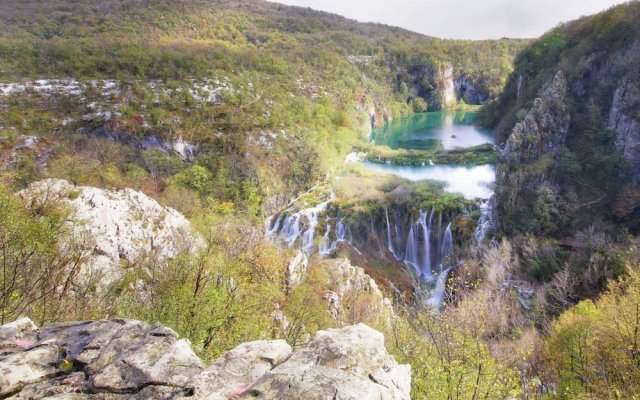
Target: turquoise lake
{"type": "Point", "coordinates": [438, 130]}
{"type": "Point", "coordinates": [433, 130]}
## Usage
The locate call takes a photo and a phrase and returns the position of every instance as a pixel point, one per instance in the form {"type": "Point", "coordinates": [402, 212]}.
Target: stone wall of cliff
{"type": "Point", "coordinates": [528, 163]}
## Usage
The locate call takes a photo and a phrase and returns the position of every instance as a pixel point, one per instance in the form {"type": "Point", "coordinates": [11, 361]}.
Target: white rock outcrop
{"type": "Point", "coordinates": [345, 284]}
{"type": "Point", "coordinates": [124, 225]}
{"type": "Point", "coordinates": [348, 364]}
{"type": "Point", "coordinates": [297, 270]}
{"type": "Point", "coordinates": [119, 359]}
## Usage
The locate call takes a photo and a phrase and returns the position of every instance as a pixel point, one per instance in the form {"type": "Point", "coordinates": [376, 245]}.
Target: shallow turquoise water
{"type": "Point", "coordinates": [433, 130]}
{"type": "Point", "coordinates": [439, 130]}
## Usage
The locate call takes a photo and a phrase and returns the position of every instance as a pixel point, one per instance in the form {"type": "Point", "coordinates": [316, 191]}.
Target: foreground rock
{"type": "Point", "coordinates": [126, 359]}
{"type": "Point", "coordinates": [121, 357]}
{"type": "Point", "coordinates": [125, 225]}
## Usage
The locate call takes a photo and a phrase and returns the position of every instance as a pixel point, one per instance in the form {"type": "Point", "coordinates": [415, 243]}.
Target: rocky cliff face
{"type": "Point", "coordinates": [530, 152]}
{"type": "Point", "coordinates": [445, 87]}
{"type": "Point", "coordinates": [125, 359]}
{"type": "Point", "coordinates": [595, 176]}
{"type": "Point", "coordinates": [469, 91]}
{"type": "Point", "coordinates": [345, 283]}
{"type": "Point", "coordinates": [123, 225]}
{"type": "Point", "coordinates": [543, 130]}
{"type": "Point", "coordinates": [444, 84]}
{"type": "Point", "coordinates": [624, 122]}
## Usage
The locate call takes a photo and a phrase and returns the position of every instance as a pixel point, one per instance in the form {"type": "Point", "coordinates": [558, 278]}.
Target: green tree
{"type": "Point", "coordinates": [40, 258]}
{"type": "Point", "coordinates": [419, 105]}
{"type": "Point", "coordinates": [594, 348]}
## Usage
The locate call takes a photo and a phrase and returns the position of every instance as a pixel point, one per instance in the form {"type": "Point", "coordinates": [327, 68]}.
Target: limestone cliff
{"type": "Point", "coordinates": [624, 121]}
{"type": "Point", "coordinates": [588, 165]}
{"type": "Point", "coordinates": [530, 153]}
{"type": "Point", "coordinates": [126, 359]}
{"type": "Point", "coordinates": [124, 225]}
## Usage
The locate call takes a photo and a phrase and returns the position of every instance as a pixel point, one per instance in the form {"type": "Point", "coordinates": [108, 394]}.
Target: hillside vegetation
{"type": "Point", "coordinates": [595, 170]}
{"type": "Point", "coordinates": [227, 110]}
{"type": "Point", "coordinates": [272, 96]}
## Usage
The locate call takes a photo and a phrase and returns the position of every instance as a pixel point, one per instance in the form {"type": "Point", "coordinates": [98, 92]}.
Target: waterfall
{"type": "Point", "coordinates": [274, 229]}
{"type": "Point", "coordinates": [436, 295]}
{"type": "Point", "coordinates": [411, 253]}
{"type": "Point", "coordinates": [290, 227]}
{"type": "Point", "coordinates": [325, 246]}
{"type": "Point", "coordinates": [397, 229]}
{"type": "Point", "coordinates": [389, 241]}
{"type": "Point", "coordinates": [425, 246]}
{"type": "Point", "coordinates": [307, 236]}
{"type": "Point", "coordinates": [426, 264]}
{"type": "Point", "coordinates": [420, 259]}
{"type": "Point", "coordinates": [447, 243]}
{"type": "Point", "coordinates": [485, 222]}
{"type": "Point", "coordinates": [340, 231]}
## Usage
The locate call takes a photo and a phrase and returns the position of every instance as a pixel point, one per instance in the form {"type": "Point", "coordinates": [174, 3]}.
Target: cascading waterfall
{"type": "Point", "coordinates": [307, 236]}
{"type": "Point", "coordinates": [291, 229]}
{"type": "Point", "coordinates": [411, 252]}
{"type": "Point", "coordinates": [419, 259]}
{"type": "Point", "coordinates": [397, 229]}
{"type": "Point", "coordinates": [447, 243]}
{"type": "Point", "coordinates": [426, 257]}
{"type": "Point", "coordinates": [436, 295]}
{"type": "Point", "coordinates": [389, 241]}
{"type": "Point", "coordinates": [485, 222]}
{"type": "Point", "coordinates": [426, 246]}
{"type": "Point", "coordinates": [325, 245]}
{"type": "Point", "coordinates": [276, 225]}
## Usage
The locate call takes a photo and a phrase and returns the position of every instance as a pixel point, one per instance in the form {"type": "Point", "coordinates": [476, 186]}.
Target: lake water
{"type": "Point", "coordinates": [439, 130]}
{"type": "Point", "coordinates": [472, 181]}
{"type": "Point", "coordinates": [433, 130]}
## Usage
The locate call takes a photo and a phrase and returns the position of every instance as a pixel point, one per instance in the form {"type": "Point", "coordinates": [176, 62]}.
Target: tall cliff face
{"type": "Point", "coordinates": [445, 84]}
{"type": "Point", "coordinates": [445, 88]}
{"type": "Point", "coordinates": [470, 91]}
{"type": "Point", "coordinates": [527, 168]}
{"type": "Point", "coordinates": [589, 164]}
{"type": "Point", "coordinates": [624, 121]}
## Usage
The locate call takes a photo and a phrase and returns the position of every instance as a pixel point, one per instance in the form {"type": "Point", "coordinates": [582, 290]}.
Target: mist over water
{"type": "Point", "coordinates": [472, 182]}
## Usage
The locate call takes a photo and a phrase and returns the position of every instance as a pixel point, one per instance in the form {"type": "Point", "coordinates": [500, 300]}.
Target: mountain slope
{"type": "Point", "coordinates": [268, 98]}
{"type": "Point", "coordinates": [592, 174]}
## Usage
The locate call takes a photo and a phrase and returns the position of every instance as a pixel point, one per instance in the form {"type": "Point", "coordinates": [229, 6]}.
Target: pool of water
{"type": "Point", "coordinates": [446, 130]}
{"type": "Point", "coordinates": [439, 130]}
{"type": "Point", "coordinates": [472, 181]}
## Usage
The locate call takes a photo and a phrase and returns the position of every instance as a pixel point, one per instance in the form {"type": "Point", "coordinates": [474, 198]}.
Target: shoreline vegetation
{"type": "Point", "coordinates": [471, 156]}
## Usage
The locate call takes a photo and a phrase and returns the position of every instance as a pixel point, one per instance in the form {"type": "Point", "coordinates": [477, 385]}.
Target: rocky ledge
{"type": "Point", "coordinates": [124, 226]}
{"type": "Point", "coordinates": [126, 359]}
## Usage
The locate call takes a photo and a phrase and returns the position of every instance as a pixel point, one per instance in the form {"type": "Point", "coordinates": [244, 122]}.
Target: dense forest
{"type": "Point", "coordinates": [227, 110]}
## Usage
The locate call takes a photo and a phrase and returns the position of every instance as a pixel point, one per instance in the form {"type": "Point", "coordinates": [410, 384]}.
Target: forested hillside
{"type": "Point", "coordinates": [567, 192]}
{"type": "Point", "coordinates": [283, 91]}
{"type": "Point", "coordinates": [594, 170]}
{"type": "Point", "coordinates": [185, 162]}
